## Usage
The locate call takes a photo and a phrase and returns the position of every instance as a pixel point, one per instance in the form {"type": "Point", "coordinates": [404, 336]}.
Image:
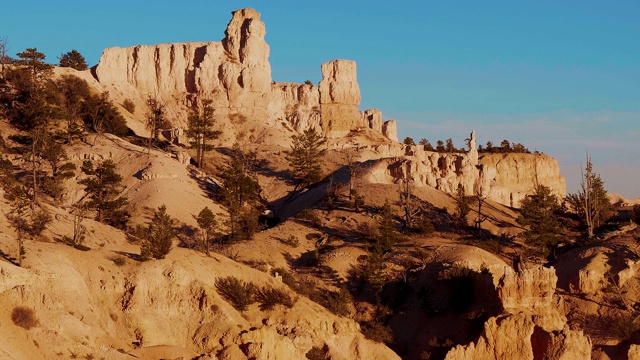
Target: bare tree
{"type": "Point", "coordinates": [481, 196]}
{"type": "Point", "coordinates": [408, 202]}
{"type": "Point", "coordinates": [355, 168]}
{"type": "Point", "coordinates": [591, 203]}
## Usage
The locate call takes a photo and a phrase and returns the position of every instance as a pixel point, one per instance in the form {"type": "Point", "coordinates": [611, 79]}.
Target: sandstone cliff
{"type": "Point", "coordinates": [516, 176]}
{"type": "Point", "coordinates": [504, 178]}
{"type": "Point", "coordinates": [236, 74]}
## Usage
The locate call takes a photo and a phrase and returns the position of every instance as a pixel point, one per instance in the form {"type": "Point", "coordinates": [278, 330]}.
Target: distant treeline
{"type": "Point", "coordinates": [447, 146]}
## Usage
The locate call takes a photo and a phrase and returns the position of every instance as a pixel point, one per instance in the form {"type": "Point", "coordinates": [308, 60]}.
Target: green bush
{"type": "Point", "coordinates": [270, 297]}
{"type": "Point", "coordinates": [239, 293]}
{"type": "Point", "coordinates": [24, 317]}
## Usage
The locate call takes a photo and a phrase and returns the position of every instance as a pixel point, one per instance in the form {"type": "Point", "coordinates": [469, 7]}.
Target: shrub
{"type": "Point", "coordinates": [129, 106]}
{"type": "Point", "coordinates": [270, 297]}
{"type": "Point", "coordinates": [317, 353]}
{"type": "Point", "coordinates": [119, 260]}
{"type": "Point", "coordinates": [24, 317]}
{"type": "Point", "coordinates": [239, 293]}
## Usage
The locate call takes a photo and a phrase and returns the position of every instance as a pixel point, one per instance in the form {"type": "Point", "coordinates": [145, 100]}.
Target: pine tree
{"type": "Point", "coordinates": [305, 157]}
{"type": "Point", "coordinates": [159, 237]}
{"type": "Point", "coordinates": [538, 212]}
{"type": "Point", "coordinates": [387, 226]}
{"type": "Point", "coordinates": [74, 92]}
{"type": "Point", "coordinates": [103, 187]}
{"type": "Point", "coordinates": [462, 207]}
{"type": "Point", "coordinates": [238, 191]}
{"type": "Point", "coordinates": [156, 119]}
{"type": "Point", "coordinates": [200, 130]}
{"type": "Point", "coordinates": [73, 59]}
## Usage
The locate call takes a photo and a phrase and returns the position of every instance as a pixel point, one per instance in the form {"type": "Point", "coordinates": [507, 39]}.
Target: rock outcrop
{"type": "Point", "coordinates": [503, 178]}
{"type": "Point", "coordinates": [531, 326]}
{"type": "Point", "coordinates": [236, 75]}
{"type": "Point", "coordinates": [516, 176]}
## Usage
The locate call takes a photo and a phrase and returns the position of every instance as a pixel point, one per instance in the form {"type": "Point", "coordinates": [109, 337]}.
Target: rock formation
{"type": "Point", "coordinates": [516, 176]}
{"type": "Point", "coordinates": [531, 326]}
{"type": "Point", "coordinates": [235, 73]}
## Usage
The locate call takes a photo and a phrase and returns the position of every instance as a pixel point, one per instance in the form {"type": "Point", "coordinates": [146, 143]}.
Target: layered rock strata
{"type": "Point", "coordinates": [236, 75]}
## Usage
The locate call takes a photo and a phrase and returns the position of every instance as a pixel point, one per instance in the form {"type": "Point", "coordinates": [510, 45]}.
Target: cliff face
{"type": "Point", "coordinates": [235, 73]}
{"type": "Point", "coordinates": [504, 178]}
{"type": "Point", "coordinates": [516, 175]}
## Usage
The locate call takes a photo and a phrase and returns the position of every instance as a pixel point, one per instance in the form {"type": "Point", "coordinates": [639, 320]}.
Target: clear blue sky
{"type": "Point", "coordinates": [563, 77]}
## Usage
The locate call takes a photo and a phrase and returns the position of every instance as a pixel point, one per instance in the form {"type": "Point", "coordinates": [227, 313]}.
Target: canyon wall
{"type": "Point", "coordinates": [236, 74]}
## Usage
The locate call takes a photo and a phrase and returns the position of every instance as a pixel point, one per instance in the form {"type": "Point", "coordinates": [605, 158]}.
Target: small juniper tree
{"type": "Point", "coordinates": [159, 236]}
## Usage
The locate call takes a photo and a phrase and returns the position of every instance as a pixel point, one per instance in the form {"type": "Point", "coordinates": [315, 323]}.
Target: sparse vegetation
{"type": "Point", "coordinates": [73, 59]}
{"type": "Point", "coordinates": [24, 317]}
{"type": "Point", "coordinates": [239, 293]}
{"type": "Point", "coordinates": [269, 297]}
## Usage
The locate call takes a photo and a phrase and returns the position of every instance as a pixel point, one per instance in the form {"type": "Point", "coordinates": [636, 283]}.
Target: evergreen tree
{"type": "Point", "coordinates": [73, 59]}
{"type": "Point", "coordinates": [408, 141]}
{"type": "Point", "coordinates": [207, 223]}
{"type": "Point", "coordinates": [238, 191]}
{"type": "Point", "coordinates": [449, 146]}
{"type": "Point", "coordinates": [387, 226]}
{"type": "Point", "coordinates": [74, 92]}
{"type": "Point", "coordinates": [462, 207]}
{"type": "Point", "coordinates": [538, 212]}
{"type": "Point", "coordinates": [426, 145]}
{"type": "Point", "coordinates": [305, 157]}
{"type": "Point", "coordinates": [100, 116]}
{"type": "Point", "coordinates": [103, 186]}
{"type": "Point", "coordinates": [374, 269]}
{"type": "Point", "coordinates": [200, 130]}
{"type": "Point", "coordinates": [159, 236]}
{"type": "Point", "coordinates": [439, 146]}
{"type": "Point", "coordinates": [156, 119]}
{"type": "Point", "coordinates": [33, 60]}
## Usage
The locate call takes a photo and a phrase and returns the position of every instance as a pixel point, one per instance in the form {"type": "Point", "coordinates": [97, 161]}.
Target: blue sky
{"type": "Point", "coordinates": [562, 77]}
